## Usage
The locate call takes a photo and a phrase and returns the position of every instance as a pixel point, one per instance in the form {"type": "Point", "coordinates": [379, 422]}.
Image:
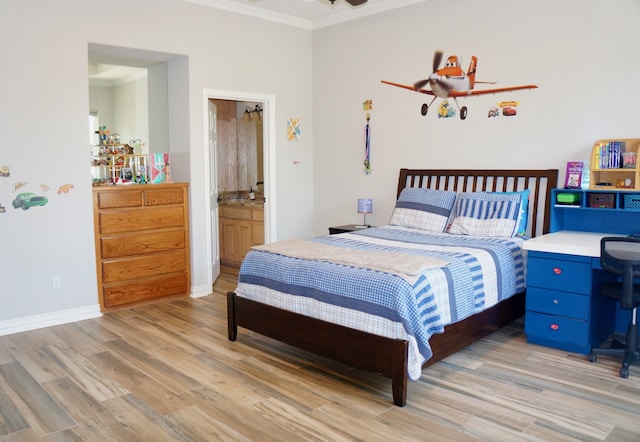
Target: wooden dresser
{"type": "Point", "coordinates": [142, 243]}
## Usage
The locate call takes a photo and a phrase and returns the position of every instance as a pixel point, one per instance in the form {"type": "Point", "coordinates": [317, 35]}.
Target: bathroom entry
{"type": "Point", "coordinates": [239, 177]}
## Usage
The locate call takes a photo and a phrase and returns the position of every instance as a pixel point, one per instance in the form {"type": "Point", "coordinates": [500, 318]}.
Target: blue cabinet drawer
{"type": "Point", "coordinates": [553, 302]}
{"type": "Point", "coordinates": [557, 332]}
{"type": "Point", "coordinates": [558, 274]}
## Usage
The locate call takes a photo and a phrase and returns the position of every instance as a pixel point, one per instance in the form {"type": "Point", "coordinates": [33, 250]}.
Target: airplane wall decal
{"type": "Point", "coordinates": [451, 82]}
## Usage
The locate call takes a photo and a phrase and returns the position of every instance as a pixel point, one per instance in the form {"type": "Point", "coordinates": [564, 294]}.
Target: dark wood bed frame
{"type": "Point", "coordinates": [385, 356]}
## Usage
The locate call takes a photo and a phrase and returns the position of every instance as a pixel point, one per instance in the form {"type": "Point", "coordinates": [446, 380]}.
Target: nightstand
{"type": "Point", "coordinates": [345, 229]}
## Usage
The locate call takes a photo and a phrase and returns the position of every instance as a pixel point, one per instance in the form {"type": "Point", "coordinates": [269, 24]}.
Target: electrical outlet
{"type": "Point", "coordinates": [56, 282]}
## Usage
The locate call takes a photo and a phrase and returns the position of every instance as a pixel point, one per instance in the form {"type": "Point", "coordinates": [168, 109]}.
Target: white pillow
{"type": "Point", "coordinates": [486, 214]}
{"type": "Point", "coordinates": [425, 209]}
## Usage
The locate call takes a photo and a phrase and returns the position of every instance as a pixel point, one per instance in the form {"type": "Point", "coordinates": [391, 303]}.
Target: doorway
{"type": "Point", "coordinates": [267, 104]}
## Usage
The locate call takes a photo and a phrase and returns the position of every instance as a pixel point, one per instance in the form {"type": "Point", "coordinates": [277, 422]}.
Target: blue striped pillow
{"type": "Point", "coordinates": [487, 214]}
{"type": "Point", "coordinates": [425, 209]}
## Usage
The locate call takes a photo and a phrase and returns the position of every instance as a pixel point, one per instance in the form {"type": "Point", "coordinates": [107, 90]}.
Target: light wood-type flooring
{"type": "Point", "coordinates": [166, 372]}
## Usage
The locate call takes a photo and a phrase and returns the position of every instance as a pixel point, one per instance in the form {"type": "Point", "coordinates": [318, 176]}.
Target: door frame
{"type": "Point", "coordinates": [269, 163]}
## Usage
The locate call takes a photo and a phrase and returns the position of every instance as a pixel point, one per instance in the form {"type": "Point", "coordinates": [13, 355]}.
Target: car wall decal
{"type": "Point", "coordinates": [22, 195]}
{"type": "Point", "coordinates": [18, 185]}
{"type": "Point", "coordinates": [26, 200]}
{"type": "Point", "coordinates": [65, 188]}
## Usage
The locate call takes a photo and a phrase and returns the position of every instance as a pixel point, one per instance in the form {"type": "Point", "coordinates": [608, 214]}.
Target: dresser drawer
{"type": "Point", "coordinates": [157, 197]}
{"type": "Point", "coordinates": [557, 332]}
{"type": "Point", "coordinates": [142, 243]}
{"type": "Point", "coordinates": [115, 295]}
{"type": "Point", "coordinates": [118, 221]}
{"type": "Point", "coordinates": [143, 266]}
{"type": "Point", "coordinates": [127, 198]}
{"type": "Point", "coordinates": [558, 274]}
{"type": "Point", "coordinates": [553, 302]}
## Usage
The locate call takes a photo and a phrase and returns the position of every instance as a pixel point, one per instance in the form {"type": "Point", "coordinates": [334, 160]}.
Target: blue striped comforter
{"type": "Point", "coordinates": [479, 273]}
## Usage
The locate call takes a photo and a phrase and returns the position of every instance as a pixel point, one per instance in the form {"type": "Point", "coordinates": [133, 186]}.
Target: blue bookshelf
{"type": "Point", "coordinates": [603, 211]}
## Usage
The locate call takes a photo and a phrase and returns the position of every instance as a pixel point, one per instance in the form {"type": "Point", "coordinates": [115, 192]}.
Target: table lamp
{"type": "Point", "coordinates": [365, 205]}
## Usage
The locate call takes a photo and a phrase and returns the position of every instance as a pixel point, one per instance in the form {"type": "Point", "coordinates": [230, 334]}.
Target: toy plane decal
{"type": "Point", "coordinates": [452, 82]}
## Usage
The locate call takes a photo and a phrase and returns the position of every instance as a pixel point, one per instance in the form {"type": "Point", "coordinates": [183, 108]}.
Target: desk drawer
{"type": "Point", "coordinates": [557, 332]}
{"type": "Point", "coordinates": [553, 302]}
{"type": "Point", "coordinates": [558, 274]}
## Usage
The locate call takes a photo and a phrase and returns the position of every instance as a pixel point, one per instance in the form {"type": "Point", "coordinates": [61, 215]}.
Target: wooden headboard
{"type": "Point", "coordinates": [539, 182]}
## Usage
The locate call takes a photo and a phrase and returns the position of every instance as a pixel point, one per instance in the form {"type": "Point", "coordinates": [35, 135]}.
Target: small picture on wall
{"type": "Point", "coordinates": [126, 173]}
{"type": "Point", "coordinates": [293, 129]}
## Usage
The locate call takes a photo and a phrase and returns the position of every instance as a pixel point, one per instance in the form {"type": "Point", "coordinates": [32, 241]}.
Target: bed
{"type": "Point", "coordinates": [343, 296]}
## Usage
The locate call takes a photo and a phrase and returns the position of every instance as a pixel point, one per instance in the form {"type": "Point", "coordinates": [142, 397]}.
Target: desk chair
{"type": "Point", "coordinates": [621, 257]}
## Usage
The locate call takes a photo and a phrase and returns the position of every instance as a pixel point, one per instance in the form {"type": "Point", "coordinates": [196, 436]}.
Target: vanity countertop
{"type": "Point", "coordinates": [248, 203]}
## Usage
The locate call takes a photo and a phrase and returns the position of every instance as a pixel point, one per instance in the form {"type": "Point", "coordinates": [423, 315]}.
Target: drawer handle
{"type": "Point", "coordinates": [554, 327]}
{"type": "Point", "coordinates": [557, 271]}
{"type": "Point", "coordinates": [556, 302]}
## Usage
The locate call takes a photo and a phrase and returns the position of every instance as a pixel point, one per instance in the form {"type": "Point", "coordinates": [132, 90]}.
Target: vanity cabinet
{"type": "Point", "coordinates": [241, 227]}
{"type": "Point", "coordinates": [142, 243]}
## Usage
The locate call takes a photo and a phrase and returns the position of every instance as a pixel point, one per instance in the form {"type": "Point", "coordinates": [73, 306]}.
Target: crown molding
{"type": "Point", "coordinates": [330, 20]}
{"type": "Point", "coordinates": [255, 12]}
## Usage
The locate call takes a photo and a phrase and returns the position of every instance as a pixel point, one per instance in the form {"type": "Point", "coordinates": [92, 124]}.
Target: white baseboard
{"type": "Point", "coordinates": [200, 291]}
{"type": "Point", "coordinates": [49, 319]}
{"type": "Point", "coordinates": [72, 315]}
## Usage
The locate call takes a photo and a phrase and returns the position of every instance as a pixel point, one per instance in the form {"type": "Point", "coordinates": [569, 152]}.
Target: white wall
{"type": "Point", "coordinates": [131, 113]}
{"type": "Point", "coordinates": [123, 108]}
{"type": "Point", "coordinates": [582, 54]}
{"type": "Point", "coordinates": [101, 102]}
{"type": "Point", "coordinates": [43, 121]}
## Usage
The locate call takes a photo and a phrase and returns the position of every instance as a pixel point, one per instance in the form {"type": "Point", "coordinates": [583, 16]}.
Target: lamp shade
{"type": "Point", "coordinates": [365, 205]}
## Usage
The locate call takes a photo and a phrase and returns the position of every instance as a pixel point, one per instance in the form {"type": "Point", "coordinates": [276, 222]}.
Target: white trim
{"type": "Point", "coordinates": [201, 290]}
{"type": "Point", "coordinates": [252, 11]}
{"type": "Point", "coordinates": [333, 17]}
{"type": "Point", "coordinates": [49, 319]}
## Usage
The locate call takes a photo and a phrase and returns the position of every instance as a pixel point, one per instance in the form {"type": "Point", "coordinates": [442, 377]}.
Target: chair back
{"type": "Point", "coordinates": [620, 255]}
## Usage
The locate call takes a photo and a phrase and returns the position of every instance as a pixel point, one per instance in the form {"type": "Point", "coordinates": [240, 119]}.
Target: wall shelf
{"type": "Point", "coordinates": [113, 162]}
{"type": "Point", "coordinates": [612, 175]}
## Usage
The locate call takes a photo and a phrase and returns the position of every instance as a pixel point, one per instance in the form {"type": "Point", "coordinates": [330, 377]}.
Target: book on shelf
{"type": "Point", "coordinates": [609, 155]}
{"type": "Point", "coordinates": [577, 175]}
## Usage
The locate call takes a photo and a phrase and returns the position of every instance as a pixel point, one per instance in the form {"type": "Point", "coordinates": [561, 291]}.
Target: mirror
{"type": "Point", "coordinates": [118, 99]}
{"type": "Point", "coordinates": [239, 145]}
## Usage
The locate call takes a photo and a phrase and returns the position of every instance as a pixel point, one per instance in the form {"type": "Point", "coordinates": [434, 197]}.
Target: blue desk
{"type": "Point", "coordinates": [563, 306]}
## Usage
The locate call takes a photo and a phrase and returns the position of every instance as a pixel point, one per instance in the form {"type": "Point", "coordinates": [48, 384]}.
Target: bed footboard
{"type": "Point", "coordinates": [376, 354]}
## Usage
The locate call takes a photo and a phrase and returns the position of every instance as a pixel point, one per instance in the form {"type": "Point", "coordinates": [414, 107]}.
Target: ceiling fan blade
{"type": "Point", "coordinates": [356, 2]}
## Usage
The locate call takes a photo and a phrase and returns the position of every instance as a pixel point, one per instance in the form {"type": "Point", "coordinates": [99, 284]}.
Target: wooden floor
{"type": "Point", "coordinates": [167, 372]}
